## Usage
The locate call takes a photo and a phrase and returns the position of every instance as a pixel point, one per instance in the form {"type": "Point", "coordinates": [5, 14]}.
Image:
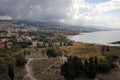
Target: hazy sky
{"type": "Point", "coordinates": [81, 12]}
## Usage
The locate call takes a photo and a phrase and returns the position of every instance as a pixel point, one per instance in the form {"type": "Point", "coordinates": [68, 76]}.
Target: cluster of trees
{"type": "Point", "coordinates": [22, 44]}
{"type": "Point", "coordinates": [46, 36]}
{"type": "Point", "coordinates": [112, 53]}
{"type": "Point", "coordinates": [46, 39]}
{"type": "Point", "coordinates": [26, 52]}
{"type": "Point", "coordinates": [49, 38]}
{"type": "Point", "coordinates": [20, 60]}
{"type": "Point", "coordinates": [11, 72]}
{"type": "Point", "coordinates": [75, 67]}
{"type": "Point", "coordinates": [9, 60]}
{"type": "Point", "coordinates": [53, 44]}
{"type": "Point", "coordinates": [51, 52]}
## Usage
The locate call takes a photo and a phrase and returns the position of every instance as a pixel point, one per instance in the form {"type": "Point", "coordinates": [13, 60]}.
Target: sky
{"type": "Point", "coordinates": [104, 13]}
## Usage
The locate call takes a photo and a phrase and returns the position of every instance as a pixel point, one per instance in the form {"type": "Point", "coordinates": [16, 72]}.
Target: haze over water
{"type": "Point", "coordinates": [102, 37]}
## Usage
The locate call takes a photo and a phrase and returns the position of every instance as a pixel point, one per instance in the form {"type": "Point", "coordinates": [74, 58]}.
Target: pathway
{"type": "Point", "coordinates": [29, 75]}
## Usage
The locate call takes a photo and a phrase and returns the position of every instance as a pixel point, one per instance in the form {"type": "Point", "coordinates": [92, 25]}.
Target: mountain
{"type": "Point", "coordinates": [58, 26]}
{"type": "Point", "coordinates": [51, 26]}
{"type": "Point", "coordinates": [99, 27]}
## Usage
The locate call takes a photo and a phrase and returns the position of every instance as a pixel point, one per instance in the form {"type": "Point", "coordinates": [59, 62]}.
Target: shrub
{"type": "Point", "coordinates": [51, 52]}
{"type": "Point", "coordinates": [2, 66]}
{"type": "Point", "coordinates": [104, 66]}
{"type": "Point", "coordinates": [72, 69]}
{"type": "Point", "coordinates": [20, 60]}
{"type": "Point", "coordinates": [11, 72]}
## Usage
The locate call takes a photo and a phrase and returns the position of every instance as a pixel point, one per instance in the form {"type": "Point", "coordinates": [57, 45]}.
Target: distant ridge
{"type": "Point", "coordinates": [54, 26]}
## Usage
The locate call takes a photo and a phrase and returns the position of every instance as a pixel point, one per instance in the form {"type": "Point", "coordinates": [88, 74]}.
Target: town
{"type": "Point", "coordinates": [32, 37]}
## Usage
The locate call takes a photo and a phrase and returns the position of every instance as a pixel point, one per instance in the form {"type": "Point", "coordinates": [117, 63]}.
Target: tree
{"type": "Point", "coordinates": [104, 66]}
{"type": "Point", "coordinates": [92, 69]}
{"type": "Point", "coordinates": [51, 52]}
{"type": "Point", "coordinates": [96, 63]}
{"type": "Point", "coordinates": [20, 60]}
{"type": "Point", "coordinates": [108, 48]}
{"type": "Point", "coordinates": [2, 66]}
{"type": "Point", "coordinates": [22, 44]}
{"type": "Point", "coordinates": [72, 68]}
{"type": "Point", "coordinates": [11, 72]}
{"type": "Point", "coordinates": [86, 68]}
{"type": "Point", "coordinates": [102, 49]}
{"type": "Point", "coordinates": [26, 52]}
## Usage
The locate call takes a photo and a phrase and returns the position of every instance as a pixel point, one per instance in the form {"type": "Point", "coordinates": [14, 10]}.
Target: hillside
{"type": "Point", "coordinates": [51, 26]}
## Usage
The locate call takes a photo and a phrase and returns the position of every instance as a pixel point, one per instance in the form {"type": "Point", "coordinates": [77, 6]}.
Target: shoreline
{"type": "Point", "coordinates": [94, 41]}
{"type": "Point", "coordinates": [69, 36]}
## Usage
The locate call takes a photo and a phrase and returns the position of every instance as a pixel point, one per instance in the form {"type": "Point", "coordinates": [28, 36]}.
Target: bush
{"type": "Point", "coordinates": [11, 72]}
{"type": "Point", "coordinates": [104, 66]}
{"type": "Point", "coordinates": [26, 52]}
{"type": "Point", "coordinates": [20, 60]}
{"type": "Point", "coordinates": [20, 77]}
{"type": "Point", "coordinates": [72, 69]}
{"type": "Point", "coordinates": [51, 52]}
{"type": "Point", "coordinates": [3, 67]}
{"type": "Point", "coordinates": [23, 44]}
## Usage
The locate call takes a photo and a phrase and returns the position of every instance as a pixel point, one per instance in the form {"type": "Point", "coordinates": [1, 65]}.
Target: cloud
{"type": "Point", "coordinates": [94, 14]}
{"type": "Point", "coordinates": [34, 10]}
{"type": "Point", "coordinates": [101, 18]}
{"type": "Point", "coordinates": [5, 18]}
{"type": "Point", "coordinates": [77, 12]}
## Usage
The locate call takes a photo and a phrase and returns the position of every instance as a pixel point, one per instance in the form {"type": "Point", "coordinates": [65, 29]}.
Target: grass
{"type": "Point", "coordinates": [112, 75]}
{"type": "Point", "coordinates": [35, 52]}
{"type": "Point", "coordinates": [114, 51]}
{"type": "Point", "coordinates": [84, 52]}
{"type": "Point", "coordinates": [41, 70]}
{"type": "Point", "coordinates": [39, 66]}
{"type": "Point", "coordinates": [32, 50]}
{"type": "Point", "coordinates": [4, 76]}
{"type": "Point", "coordinates": [19, 74]}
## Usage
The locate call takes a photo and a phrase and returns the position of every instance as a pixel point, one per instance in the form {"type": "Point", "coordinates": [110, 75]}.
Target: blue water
{"type": "Point", "coordinates": [102, 37]}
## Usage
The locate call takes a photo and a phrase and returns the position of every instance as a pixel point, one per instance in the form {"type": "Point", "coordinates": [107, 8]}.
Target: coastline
{"type": "Point", "coordinates": [91, 38]}
{"type": "Point", "coordinates": [69, 36]}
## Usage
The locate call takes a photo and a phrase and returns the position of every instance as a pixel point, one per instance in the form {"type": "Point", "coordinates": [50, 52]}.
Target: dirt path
{"type": "Point", "coordinates": [118, 62]}
{"type": "Point", "coordinates": [62, 59]}
{"type": "Point", "coordinates": [49, 66]}
{"type": "Point", "coordinates": [29, 75]}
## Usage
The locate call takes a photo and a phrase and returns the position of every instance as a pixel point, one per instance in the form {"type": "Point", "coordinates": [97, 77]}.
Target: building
{"type": "Point", "coordinates": [7, 39]}
{"type": "Point", "coordinates": [3, 33]}
{"type": "Point", "coordinates": [77, 44]}
{"type": "Point", "coordinates": [5, 45]}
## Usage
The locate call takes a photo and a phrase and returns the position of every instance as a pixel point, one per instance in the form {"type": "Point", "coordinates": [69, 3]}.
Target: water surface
{"type": "Point", "coordinates": [101, 37]}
